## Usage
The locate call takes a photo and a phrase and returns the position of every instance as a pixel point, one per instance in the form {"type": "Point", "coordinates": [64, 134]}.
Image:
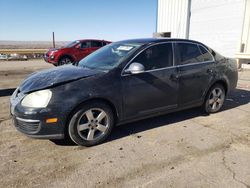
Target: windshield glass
{"type": "Point", "coordinates": [71, 44]}
{"type": "Point", "coordinates": [110, 56]}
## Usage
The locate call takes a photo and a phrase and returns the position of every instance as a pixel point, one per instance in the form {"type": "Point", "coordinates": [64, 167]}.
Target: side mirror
{"type": "Point", "coordinates": [78, 46]}
{"type": "Point", "coordinates": [135, 68]}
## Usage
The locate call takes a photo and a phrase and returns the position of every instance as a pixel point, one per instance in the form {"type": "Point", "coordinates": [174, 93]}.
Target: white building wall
{"type": "Point", "coordinates": [172, 16]}
{"type": "Point", "coordinates": [218, 24]}
{"type": "Point", "coordinates": [245, 40]}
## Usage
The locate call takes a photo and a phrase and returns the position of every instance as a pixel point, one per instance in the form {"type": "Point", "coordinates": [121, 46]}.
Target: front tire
{"type": "Point", "coordinates": [214, 99]}
{"type": "Point", "coordinates": [65, 60]}
{"type": "Point", "coordinates": [91, 124]}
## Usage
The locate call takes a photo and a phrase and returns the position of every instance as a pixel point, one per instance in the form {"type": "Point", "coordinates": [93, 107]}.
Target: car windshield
{"type": "Point", "coordinates": [71, 44]}
{"type": "Point", "coordinates": [110, 56]}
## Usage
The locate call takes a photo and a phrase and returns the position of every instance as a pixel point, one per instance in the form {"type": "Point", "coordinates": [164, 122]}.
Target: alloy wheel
{"type": "Point", "coordinates": [92, 124]}
{"type": "Point", "coordinates": [65, 60]}
{"type": "Point", "coordinates": [216, 99]}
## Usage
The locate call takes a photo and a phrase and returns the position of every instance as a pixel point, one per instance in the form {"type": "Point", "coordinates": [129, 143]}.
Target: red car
{"type": "Point", "coordinates": [73, 52]}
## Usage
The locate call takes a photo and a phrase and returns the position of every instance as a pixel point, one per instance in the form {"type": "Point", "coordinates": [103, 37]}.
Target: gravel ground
{"type": "Point", "coordinates": [184, 149]}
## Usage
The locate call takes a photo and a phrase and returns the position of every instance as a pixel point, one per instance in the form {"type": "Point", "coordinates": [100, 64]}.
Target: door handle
{"type": "Point", "coordinates": [174, 77]}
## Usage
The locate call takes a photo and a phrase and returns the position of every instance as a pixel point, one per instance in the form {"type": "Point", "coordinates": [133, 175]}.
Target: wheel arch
{"type": "Point", "coordinates": [97, 99]}
{"type": "Point", "coordinates": [221, 82]}
{"type": "Point", "coordinates": [66, 55]}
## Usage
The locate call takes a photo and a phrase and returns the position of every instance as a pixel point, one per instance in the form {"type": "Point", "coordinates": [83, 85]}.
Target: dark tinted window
{"type": "Point", "coordinates": [105, 43]}
{"type": "Point", "coordinates": [188, 53]}
{"type": "Point", "coordinates": [96, 44]}
{"type": "Point", "coordinates": [155, 57]}
{"type": "Point", "coordinates": [84, 45]}
{"type": "Point", "coordinates": [206, 55]}
{"type": "Point", "coordinates": [72, 44]}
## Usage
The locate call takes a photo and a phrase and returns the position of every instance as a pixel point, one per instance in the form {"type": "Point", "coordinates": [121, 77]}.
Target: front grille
{"type": "Point", "coordinates": [27, 126]}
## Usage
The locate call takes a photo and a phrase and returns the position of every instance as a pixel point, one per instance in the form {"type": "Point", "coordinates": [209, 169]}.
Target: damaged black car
{"type": "Point", "coordinates": [122, 82]}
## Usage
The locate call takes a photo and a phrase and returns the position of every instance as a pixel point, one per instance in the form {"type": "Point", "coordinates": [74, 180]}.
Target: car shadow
{"type": "Point", "coordinates": [235, 99]}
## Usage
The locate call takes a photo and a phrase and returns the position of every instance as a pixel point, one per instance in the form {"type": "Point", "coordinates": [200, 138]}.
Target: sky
{"type": "Point", "coordinates": [35, 20]}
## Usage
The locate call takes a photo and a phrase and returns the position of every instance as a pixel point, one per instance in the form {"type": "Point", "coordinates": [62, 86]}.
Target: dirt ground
{"type": "Point", "coordinates": [184, 149]}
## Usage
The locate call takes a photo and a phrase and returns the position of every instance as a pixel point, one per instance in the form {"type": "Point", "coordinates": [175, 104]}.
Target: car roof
{"type": "Point", "coordinates": [92, 40]}
{"type": "Point", "coordinates": [157, 40]}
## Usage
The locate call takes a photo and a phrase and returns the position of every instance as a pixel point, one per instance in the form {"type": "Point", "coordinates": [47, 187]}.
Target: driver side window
{"type": "Point", "coordinates": [156, 57]}
{"type": "Point", "coordinates": [84, 45]}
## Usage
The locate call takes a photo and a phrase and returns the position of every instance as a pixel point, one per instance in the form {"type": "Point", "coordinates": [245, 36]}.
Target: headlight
{"type": "Point", "coordinates": [38, 99]}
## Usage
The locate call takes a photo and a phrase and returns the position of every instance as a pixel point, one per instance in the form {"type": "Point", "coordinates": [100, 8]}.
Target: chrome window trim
{"type": "Point", "coordinates": [154, 44]}
{"type": "Point", "coordinates": [174, 65]}
{"type": "Point", "coordinates": [28, 120]}
{"type": "Point", "coordinates": [190, 64]}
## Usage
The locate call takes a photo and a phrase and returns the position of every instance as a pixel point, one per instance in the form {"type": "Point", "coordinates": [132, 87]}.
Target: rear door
{"type": "Point", "coordinates": [195, 69]}
{"type": "Point", "coordinates": [153, 90]}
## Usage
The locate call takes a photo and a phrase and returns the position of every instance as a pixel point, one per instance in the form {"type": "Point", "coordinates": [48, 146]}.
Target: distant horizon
{"type": "Point", "coordinates": [32, 41]}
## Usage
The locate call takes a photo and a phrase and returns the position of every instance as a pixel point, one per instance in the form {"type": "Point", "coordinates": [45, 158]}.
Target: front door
{"type": "Point", "coordinates": [82, 50]}
{"type": "Point", "coordinates": [155, 89]}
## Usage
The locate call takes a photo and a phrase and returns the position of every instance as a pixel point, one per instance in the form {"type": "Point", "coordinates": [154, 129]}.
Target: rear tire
{"type": "Point", "coordinates": [215, 99]}
{"type": "Point", "coordinates": [91, 124]}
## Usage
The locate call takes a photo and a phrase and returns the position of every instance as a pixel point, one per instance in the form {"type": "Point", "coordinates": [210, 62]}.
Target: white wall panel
{"type": "Point", "coordinates": [217, 24]}
{"type": "Point", "coordinates": [171, 17]}
{"type": "Point", "coordinates": [246, 29]}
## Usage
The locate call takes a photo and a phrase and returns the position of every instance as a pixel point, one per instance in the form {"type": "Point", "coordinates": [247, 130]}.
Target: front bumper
{"type": "Point", "coordinates": [37, 129]}
{"type": "Point", "coordinates": [32, 122]}
{"type": "Point", "coordinates": [48, 60]}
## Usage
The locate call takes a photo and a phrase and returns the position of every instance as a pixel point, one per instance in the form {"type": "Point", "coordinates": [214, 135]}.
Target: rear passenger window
{"type": "Point", "coordinates": [206, 55]}
{"type": "Point", "coordinates": [155, 57]}
{"type": "Point", "coordinates": [96, 44]}
{"type": "Point", "coordinates": [188, 53]}
{"type": "Point", "coordinates": [104, 43]}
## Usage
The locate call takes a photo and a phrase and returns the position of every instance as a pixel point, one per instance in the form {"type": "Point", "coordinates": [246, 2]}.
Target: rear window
{"type": "Point", "coordinates": [206, 55]}
{"type": "Point", "coordinates": [105, 43]}
{"type": "Point", "coordinates": [188, 53]}
{"type": "Point", "coordinates": [96, 44]}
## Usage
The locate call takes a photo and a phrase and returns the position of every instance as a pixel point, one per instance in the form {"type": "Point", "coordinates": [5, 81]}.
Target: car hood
{"type": "Point", "coordinates": [55, 76]}
{"type": "Point", "coordinates": [54, 50]}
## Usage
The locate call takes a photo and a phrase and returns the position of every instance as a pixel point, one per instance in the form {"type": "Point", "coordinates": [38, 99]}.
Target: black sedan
{"type": "Point", "coordinates": [119, 83]}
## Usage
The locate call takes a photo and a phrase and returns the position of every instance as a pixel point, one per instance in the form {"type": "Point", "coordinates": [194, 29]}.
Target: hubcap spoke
{"type": "Point", "coordinates": [89, 115]}
{"type": "Point", "coordinates": [211, 101]}
{"type": "Point", "coordinates": [216, 99]}
{"type": "Point", "coordinates": [93, 124]}
{"type": "Point", "coordinates": [219, 101]}
{"type": "Point", "coordinates": [68, 61]}
{"type": "Point", "coordinates": [214, 105]}
{"type": "Point", "coordinates": [91, 134]}
{"type": "Point", "coordinates": [101, 127]}
{"type": "Point", "coordinates": [219, 93]}
{"type": "Point", "coordinates": [214, 93]}
{"type": "Point", "coordinates": [83, 126]}
{"type": "Point", "coordinates": [101, 116]}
